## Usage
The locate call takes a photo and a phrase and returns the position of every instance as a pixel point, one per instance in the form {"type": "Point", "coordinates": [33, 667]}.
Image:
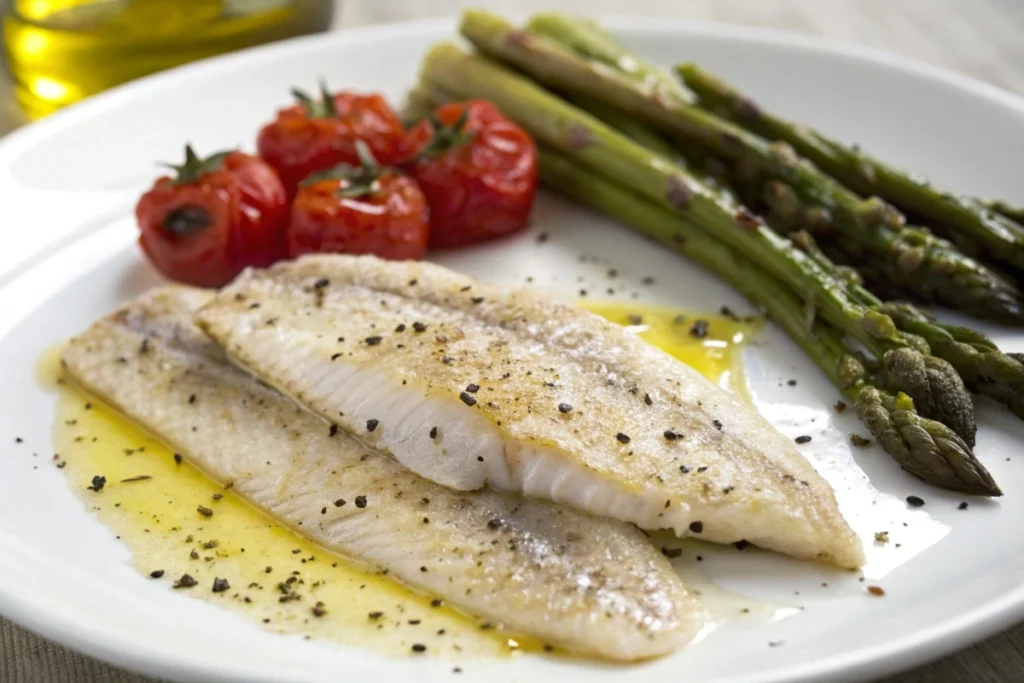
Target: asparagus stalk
{"type": "Point", "coordinates": [589, 40]}
{"type": "Point", "coordinates": [999, 237]}
{"type": "Point", "coordinates": [1014, 213]}
{"type": "Point", "coordinates": [637, 131]}
{"type": "Point", "coordinates": [926, 448]}
{"type": "Point", "coordinates": [787, 212]}
{"type": "Point", "coordinates": [938, 390]}
{"type": "Point", "coordinates": [554, 122]}
{"type": "Point", "coordinates": [982, 366]}
{"type": "Point", "coordinates": [960, 281]}
{"type": "Point", "coordinates": [936, 385]}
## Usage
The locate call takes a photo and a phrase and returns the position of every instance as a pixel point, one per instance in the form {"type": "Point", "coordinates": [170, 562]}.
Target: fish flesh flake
{"type": "Point", "coordinates": [592, 586]}
{"type": "Point", "coordinates": [470, 385]}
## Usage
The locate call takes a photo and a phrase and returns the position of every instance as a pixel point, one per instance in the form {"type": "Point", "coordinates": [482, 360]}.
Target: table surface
{"type": "Point", "coordinates": [981, 38]}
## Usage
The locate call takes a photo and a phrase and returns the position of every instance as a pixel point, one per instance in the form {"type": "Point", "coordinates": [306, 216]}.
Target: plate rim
{"type": "Point", "coordinates": [901, 653]}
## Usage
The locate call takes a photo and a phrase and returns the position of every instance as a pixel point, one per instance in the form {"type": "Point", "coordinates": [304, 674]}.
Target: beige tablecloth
{"type": "Point", "coordinates": [982, 38]}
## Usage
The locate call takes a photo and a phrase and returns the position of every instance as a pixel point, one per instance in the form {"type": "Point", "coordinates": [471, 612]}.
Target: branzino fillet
{"type": "Point", "coordinates": [470, 385]}
{"type": "Point", "coordinates": [594, 586]}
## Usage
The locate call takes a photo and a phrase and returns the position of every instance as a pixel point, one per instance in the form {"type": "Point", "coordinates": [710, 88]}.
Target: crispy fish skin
{"type": "Point", "coordinates": [594, 586]}
{"type": "Point", "coordinates": [470, 385]}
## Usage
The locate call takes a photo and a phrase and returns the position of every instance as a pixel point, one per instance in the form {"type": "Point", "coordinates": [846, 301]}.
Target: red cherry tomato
{"type": "Point", "coordinates": [478, 171]}
{"type": "Point", "coordinates": [316, 135]}
{"type": "Point", "coordinates": [217, 216]}
{"type": "Point", "coordinates": [365, 210]}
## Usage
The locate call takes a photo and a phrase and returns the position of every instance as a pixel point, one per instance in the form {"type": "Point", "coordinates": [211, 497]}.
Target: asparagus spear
{"type": "Point", "coordinates": [1000, 237]}
{"type": "Point", "coordinates": [589, 40]}
{"type": "Point", "coordinates": [584, 35]}
{"type": "Point", "coordinates": [422, 100]}
{"type": "Point", "coordinates": [1014, 213]}
{"type": "Point", "coordinates": [637, 131]}
{"type": "Point", "coordinates": [935, 384]}
{"type": "Point", "coordinates": [982, 366]}
{"type": "Point", "coordinates": [960, 281]}
{"type": "Point", "coordinates": [926, 448]}
{"type": "Point", "coordinates": [556, 123]}
{"type": "Point", "coordinates": [938, 382]}
{"type": "Point", "coordinates": [787, 212]}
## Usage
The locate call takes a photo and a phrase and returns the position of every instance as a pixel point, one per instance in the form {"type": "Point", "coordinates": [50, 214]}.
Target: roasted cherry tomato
{"type": "Point", "coordinates": [359, 210]}
{"type": "Point", "coordinates": [478, 171]}
{"type": "Point", "coordinates": [319, 134]}
{"type": "Point", "coordinates": [214, 218]}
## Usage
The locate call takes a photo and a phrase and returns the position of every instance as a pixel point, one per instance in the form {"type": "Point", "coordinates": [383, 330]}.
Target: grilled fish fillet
{"type": "Point", "coordinates": [591, 585]}
{"type": "Point", "coordinates": [469, 385]}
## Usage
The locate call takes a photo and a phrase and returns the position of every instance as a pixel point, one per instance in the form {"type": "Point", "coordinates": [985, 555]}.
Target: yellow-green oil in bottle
{"type": "Point", "coordinates": [60, 51]}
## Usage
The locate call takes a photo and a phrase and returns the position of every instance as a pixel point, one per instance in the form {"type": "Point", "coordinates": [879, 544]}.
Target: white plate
{"type": "Point", "coordinates": [67, 186]}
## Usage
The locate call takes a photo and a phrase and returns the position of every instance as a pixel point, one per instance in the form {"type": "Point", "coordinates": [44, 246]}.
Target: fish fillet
{"type": "Point", "coordinates": [591, 585]}
{"type": "Point", "coordinates": [470, 385]}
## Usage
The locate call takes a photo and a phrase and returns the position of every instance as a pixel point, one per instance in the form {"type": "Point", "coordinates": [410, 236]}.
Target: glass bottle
{"type": "Point", "coordinates": [60, 51]}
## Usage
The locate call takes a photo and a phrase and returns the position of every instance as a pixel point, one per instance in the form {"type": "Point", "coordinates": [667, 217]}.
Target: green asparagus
{"type": "Point", "coordinates": [935, 385]}
{"type": "Point", "coordinates": [999, 237]}
{"type": "Point", "coordinates": [588, 39]}
{"type": "Point", "coordinates": [981, 365]}
{"type": "Point", "coordinates": [1014, 213]}
{"type": "Point", "coordinates": [556, 123]}
{"type": "Point", "coordinates": [786, 211]}
{"type": "Point", "coordinates": [960, 281]}
{"type": "Point", "coordinates": [984, 368]}
{"type": "Point", "coordinates": [926, 448]}
{"type": "Point", "coordinates": [637, 131]}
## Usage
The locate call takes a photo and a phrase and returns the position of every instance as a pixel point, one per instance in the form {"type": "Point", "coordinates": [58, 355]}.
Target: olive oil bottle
{"type": "Point", "coordinates": [60, 51]}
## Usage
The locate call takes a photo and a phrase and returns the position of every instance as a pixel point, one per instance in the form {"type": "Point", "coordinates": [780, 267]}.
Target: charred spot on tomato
{"type": "Point", "coordinates": [187, 220]}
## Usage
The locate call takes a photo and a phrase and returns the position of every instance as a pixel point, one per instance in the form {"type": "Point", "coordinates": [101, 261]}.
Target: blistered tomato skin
{"type": "Point", "coordinates": [316, 135]}
{"type": "Point", "coordinates": [481, 182]}
{"type": "Point", "coordinates": [218, 216]}
{"type": "Point", "coordinates": [391, 221]}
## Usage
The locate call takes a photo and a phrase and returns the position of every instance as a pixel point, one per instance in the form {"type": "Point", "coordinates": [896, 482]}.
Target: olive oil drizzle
{"type": "Point", "coordinates": [712, 344]}
{"type": "Point", "coordinates": [187, 531]}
